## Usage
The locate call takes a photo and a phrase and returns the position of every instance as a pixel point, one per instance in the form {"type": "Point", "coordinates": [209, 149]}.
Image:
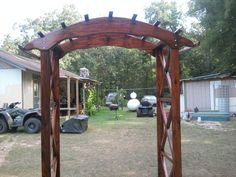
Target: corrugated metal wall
{"type": "Point", "coordinates": [210, 95]}
{"type": "Point", "coordinates": [232, 93]}
{"type": "Point", "coordinates": [197, 94]}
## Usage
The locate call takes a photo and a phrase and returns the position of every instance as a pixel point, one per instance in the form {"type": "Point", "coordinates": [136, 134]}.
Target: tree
{"type": "Point", "coordinates": [45, 23]}
{"type": "Point", "coordinates": [113, 66]}
{"type": "Point", "coordinates": [10, 44]}
{"type": "Point", "coordinates": [165, 12]}
{"type": "Point", "coordinates": [218, 21]}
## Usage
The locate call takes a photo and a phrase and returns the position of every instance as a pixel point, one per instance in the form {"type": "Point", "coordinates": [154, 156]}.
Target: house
{"type": "Point", "coordinates": [214, 92]}
{"type": "Point", "coordinates": [20, 81]}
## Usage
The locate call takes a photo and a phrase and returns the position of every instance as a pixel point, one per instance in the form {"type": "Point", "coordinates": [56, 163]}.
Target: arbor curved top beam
{"type": "Point", "coordinates": [99, 40]}
{"type": "Point", "coordinates": [106, 25]}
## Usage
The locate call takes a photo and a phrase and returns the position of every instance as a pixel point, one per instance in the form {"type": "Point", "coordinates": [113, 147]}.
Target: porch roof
{"type": "Point", "coordinates": [24, 63]}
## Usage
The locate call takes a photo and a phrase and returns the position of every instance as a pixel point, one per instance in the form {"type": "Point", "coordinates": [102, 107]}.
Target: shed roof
{"type": "Point", "coordinates": [217, 76]}
{"type": "Point", "coordinates": [24, 63]}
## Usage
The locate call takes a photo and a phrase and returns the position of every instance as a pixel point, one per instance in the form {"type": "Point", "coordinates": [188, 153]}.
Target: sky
{"type": "Point", "coordinates": [16, 11]}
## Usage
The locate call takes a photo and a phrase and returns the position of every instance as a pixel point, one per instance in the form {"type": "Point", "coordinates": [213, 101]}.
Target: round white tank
{"type": "Point", "coordinates": [133, 104]}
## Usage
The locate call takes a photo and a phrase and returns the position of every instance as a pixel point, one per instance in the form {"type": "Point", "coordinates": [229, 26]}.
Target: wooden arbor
{"type": "Point", "coordinates": [110, 31]}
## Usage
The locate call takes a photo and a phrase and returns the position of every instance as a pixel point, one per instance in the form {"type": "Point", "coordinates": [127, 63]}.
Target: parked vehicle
{"type": "Point", "coordinates": [151, 99]}
{"type": "Point", "coordinates": [110, 97]}
{"type": "Point", "coordinates": [145, 109]}
{"type": "Point", "coordinates": [13, 117]}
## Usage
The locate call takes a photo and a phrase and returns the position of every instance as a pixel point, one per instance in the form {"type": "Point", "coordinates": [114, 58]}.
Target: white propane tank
{"type": "Point", "coordinates": [133, 103]}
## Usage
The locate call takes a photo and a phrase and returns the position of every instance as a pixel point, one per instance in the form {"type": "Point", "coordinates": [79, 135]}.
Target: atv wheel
{"type": "Point", "coordinates": [3, 126]}
{"type": "Point", "coordinates": [32, 125]}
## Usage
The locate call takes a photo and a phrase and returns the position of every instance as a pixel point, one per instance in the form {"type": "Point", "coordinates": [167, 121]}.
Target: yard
{"type": "Point", "coordinates": [122, 148]}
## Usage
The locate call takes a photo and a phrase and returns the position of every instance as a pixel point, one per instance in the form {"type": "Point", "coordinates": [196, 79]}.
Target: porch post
{"type": "Point", "coordinates": [45, 112]}
{"type": "Point", "coordinates": [77, 96]}
{"type": "Point", "coordinates": [84, 104]}
{"type": "Point", "coordinates": [68, 98]}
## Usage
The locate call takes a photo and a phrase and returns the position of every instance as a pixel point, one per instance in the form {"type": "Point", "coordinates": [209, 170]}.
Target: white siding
{"type": "Point", "coordinates": [205, 96]}
{"type": "Point", "coordinates": [182, 99]}
{"type": "Point", "coordinates": [27, 90]}
{"type": "Point", "coordinates": [197, 94]}
{"type": "Point", "coordinates": [10, 86]}
{"type": "Point", "coordinates": [212, 95]}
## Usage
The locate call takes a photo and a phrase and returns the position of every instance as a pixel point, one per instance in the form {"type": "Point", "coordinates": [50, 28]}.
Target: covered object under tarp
{"type": "Point", "coordinates": [77, 124]}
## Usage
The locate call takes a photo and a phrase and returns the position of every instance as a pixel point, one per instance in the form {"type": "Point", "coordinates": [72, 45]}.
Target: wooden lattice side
{"type": "Point", "coordinates": [121, 32]}
{"type": "Point", "coordinates": [168, 120]}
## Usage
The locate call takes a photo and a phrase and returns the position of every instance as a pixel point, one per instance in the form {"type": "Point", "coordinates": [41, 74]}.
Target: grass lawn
{"type": "Point", "coordinates": [122, 148]}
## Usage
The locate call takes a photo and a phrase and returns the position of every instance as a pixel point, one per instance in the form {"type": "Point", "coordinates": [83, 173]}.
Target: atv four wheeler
{"type": "Point", "coordinates": [13, 117]}
{"type": "Point", "coordinates": [145, 109]}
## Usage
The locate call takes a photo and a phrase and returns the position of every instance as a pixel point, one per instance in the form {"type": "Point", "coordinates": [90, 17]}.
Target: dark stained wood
{"type": "Point", "coordinates": [45, 112]}
{"type": "Point", "coordinates": [40, 34]}
{"type": "Point", "coordinates": [169, 119]}
{"type": "Point", "coordinates": [122, 32]}
{"type": "Point", "coordinates": [175, 107]}
{"type": "Point", "coordinates": [56, 114]}
{"type": "Point", "coordinates": [178, 31]}
{"type": "Point", "coordinates": [157, 23]}
{"type": "Point", "coordinates": [86, 17]}
{"type": "Point", "coordinates": [166, 99]}
{"type": "Point", "coordinates": [63, 25]}
{"type": "Point", "coordinates": [28, 52]}
{"type": "Point", "coordinates": [103, 25]}
{"type": "Point", "coordinates": [99, 40]}
{"type": "Point", "coordinates": [170, 135]}
{"type": "Point", "coordinates": [133, 20]}
{"type": "Point", "coordinates": [160, 130]}
{"type": "Point", "coordinates": [163, 55]}
{"type": "Point", "coordinates": [110, 15]}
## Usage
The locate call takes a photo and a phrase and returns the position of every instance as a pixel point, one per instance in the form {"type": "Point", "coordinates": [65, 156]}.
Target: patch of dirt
{"type": "Point", "coordinates": [207, 124]}
{"type": "Point", "coordinates": [5, 148]}
{"type": "Point", "coordinates": [26, 144]}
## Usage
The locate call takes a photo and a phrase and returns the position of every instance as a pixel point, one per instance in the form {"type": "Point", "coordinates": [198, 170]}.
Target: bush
{"type": "Point", "coordinates": [91, 97]}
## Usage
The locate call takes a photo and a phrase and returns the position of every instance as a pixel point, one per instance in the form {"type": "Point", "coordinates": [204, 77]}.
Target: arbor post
{"type": "Point", "coordinates": [159, 88]}
{"type": "Point", "coordinates": [55, 131]}
{"type": "Point", "coordinates": [175, 107]}
{"type": "Point", "coordinates": [168, 121]}
{"type": "Point", "coordinates": [45, 113]}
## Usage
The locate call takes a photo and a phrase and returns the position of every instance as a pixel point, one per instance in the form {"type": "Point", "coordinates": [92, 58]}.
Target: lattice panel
{"type": "Point", "coordinates": [166, 96]}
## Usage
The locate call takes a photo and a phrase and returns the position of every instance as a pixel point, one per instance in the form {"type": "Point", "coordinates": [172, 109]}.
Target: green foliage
{"type": "Point", "coordinates": [165, 12]}
{"type": "Point", "coordinates": [114, 66]}
{"type": "Point", "coordinates": [218, 21]}
{"type": "Point", "coordinates": [91, 103]}
{"type": "Point", "coordinates": [48, 22]}
{"type": "Point", "coordinates": [45, 23]}
{"type": "Point", "coordinates": [120, 98]}
{"type": "Point", "coordinates": [10, 44]}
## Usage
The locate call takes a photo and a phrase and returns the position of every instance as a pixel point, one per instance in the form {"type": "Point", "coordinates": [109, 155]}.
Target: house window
{"type": "Point", "coordinates": [36, 88]}
{"type": "Point", "coordinates": [36, 93]}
